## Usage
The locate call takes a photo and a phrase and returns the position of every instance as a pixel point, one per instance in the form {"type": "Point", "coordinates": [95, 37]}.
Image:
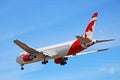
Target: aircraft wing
{"type": "Point", "coordinates": [50, 53]}
{"type": "Point", "coordinates": [26, 47]}
{"type": "Point", "coordinates": [88, 52]}
{"type": "Point", "coordinates": [33, 51]}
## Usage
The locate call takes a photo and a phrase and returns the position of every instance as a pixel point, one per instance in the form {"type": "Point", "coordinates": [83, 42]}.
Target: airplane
{"type": "Point", "coordinates": [61, 52]}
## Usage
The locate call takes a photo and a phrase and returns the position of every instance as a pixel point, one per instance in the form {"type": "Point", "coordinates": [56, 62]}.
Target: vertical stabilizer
{"type": "Point", "coordinates": [89, 32]}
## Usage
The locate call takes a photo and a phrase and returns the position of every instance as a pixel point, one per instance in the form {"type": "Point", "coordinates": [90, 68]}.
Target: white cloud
{"type": "Point", "coordinates": [110, 69]}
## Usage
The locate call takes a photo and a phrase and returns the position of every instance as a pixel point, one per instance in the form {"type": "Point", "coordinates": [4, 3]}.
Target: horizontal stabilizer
{"type": "Point", "coordinates": [88, 52]}
{"type": "Point", "coordinates": [99, 41]}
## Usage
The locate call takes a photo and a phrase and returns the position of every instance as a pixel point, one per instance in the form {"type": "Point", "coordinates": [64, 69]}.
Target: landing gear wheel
{"type": "Point", "coordinates": [66, 59]}
{"type": "Point", "coordinates": [63, 63]}
{"type": "Point", "coordinates": [44, 62]}
{"type": "Point", "coordinates": [22, 66]}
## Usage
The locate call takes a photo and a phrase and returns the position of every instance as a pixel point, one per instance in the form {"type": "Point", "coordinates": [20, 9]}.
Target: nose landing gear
{"type": "Point", "coordinates": [22, 68]}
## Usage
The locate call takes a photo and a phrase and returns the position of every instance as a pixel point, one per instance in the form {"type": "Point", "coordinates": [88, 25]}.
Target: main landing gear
{"type": "Point", "coordinates": [44, 60]}
{"type": "Point", "coordinates": [63, 61]}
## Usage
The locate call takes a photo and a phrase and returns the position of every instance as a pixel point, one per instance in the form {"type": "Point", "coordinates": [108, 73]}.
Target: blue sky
{"type": "Point", "coordinates": [40, 23]}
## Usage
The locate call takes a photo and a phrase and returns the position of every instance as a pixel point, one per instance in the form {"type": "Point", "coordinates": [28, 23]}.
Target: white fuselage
{"type": "Point", "coordinates": [56, 51]}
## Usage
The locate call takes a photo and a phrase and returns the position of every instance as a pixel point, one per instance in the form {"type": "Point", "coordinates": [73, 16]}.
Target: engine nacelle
{"type": "Point", "coordinates": [57, 60]}
{"type": "Point", "coordinates": [61, 61]}
{"type": "Point", "coordinates": [28, 57]}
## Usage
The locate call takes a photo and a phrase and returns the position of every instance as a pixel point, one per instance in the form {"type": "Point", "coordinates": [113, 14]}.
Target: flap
{"type": "Point", "coordinates": [50, 53]}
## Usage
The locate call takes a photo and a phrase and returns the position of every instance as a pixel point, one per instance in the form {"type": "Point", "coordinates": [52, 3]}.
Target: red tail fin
{"type": "Point", "coordinates": [90, 28]}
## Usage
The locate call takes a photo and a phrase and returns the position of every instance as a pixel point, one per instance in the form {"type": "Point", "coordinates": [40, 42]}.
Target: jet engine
{"type": "Point", "coordinates": [61, 61]}
{"type": "Point", "coordinates": [28, 57]}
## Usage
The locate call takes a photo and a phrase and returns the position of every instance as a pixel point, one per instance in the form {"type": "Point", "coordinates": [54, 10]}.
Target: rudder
{"type": "Point", "coordinates": [90, 28]}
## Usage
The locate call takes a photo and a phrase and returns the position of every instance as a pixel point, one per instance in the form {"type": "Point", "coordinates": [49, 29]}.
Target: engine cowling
{"type": "Point", "coordinates": [61, 61]}
{"type": "Point", "coordinates": [57, 60]}
{"type": "Point", "coordinates": [28, 57]}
